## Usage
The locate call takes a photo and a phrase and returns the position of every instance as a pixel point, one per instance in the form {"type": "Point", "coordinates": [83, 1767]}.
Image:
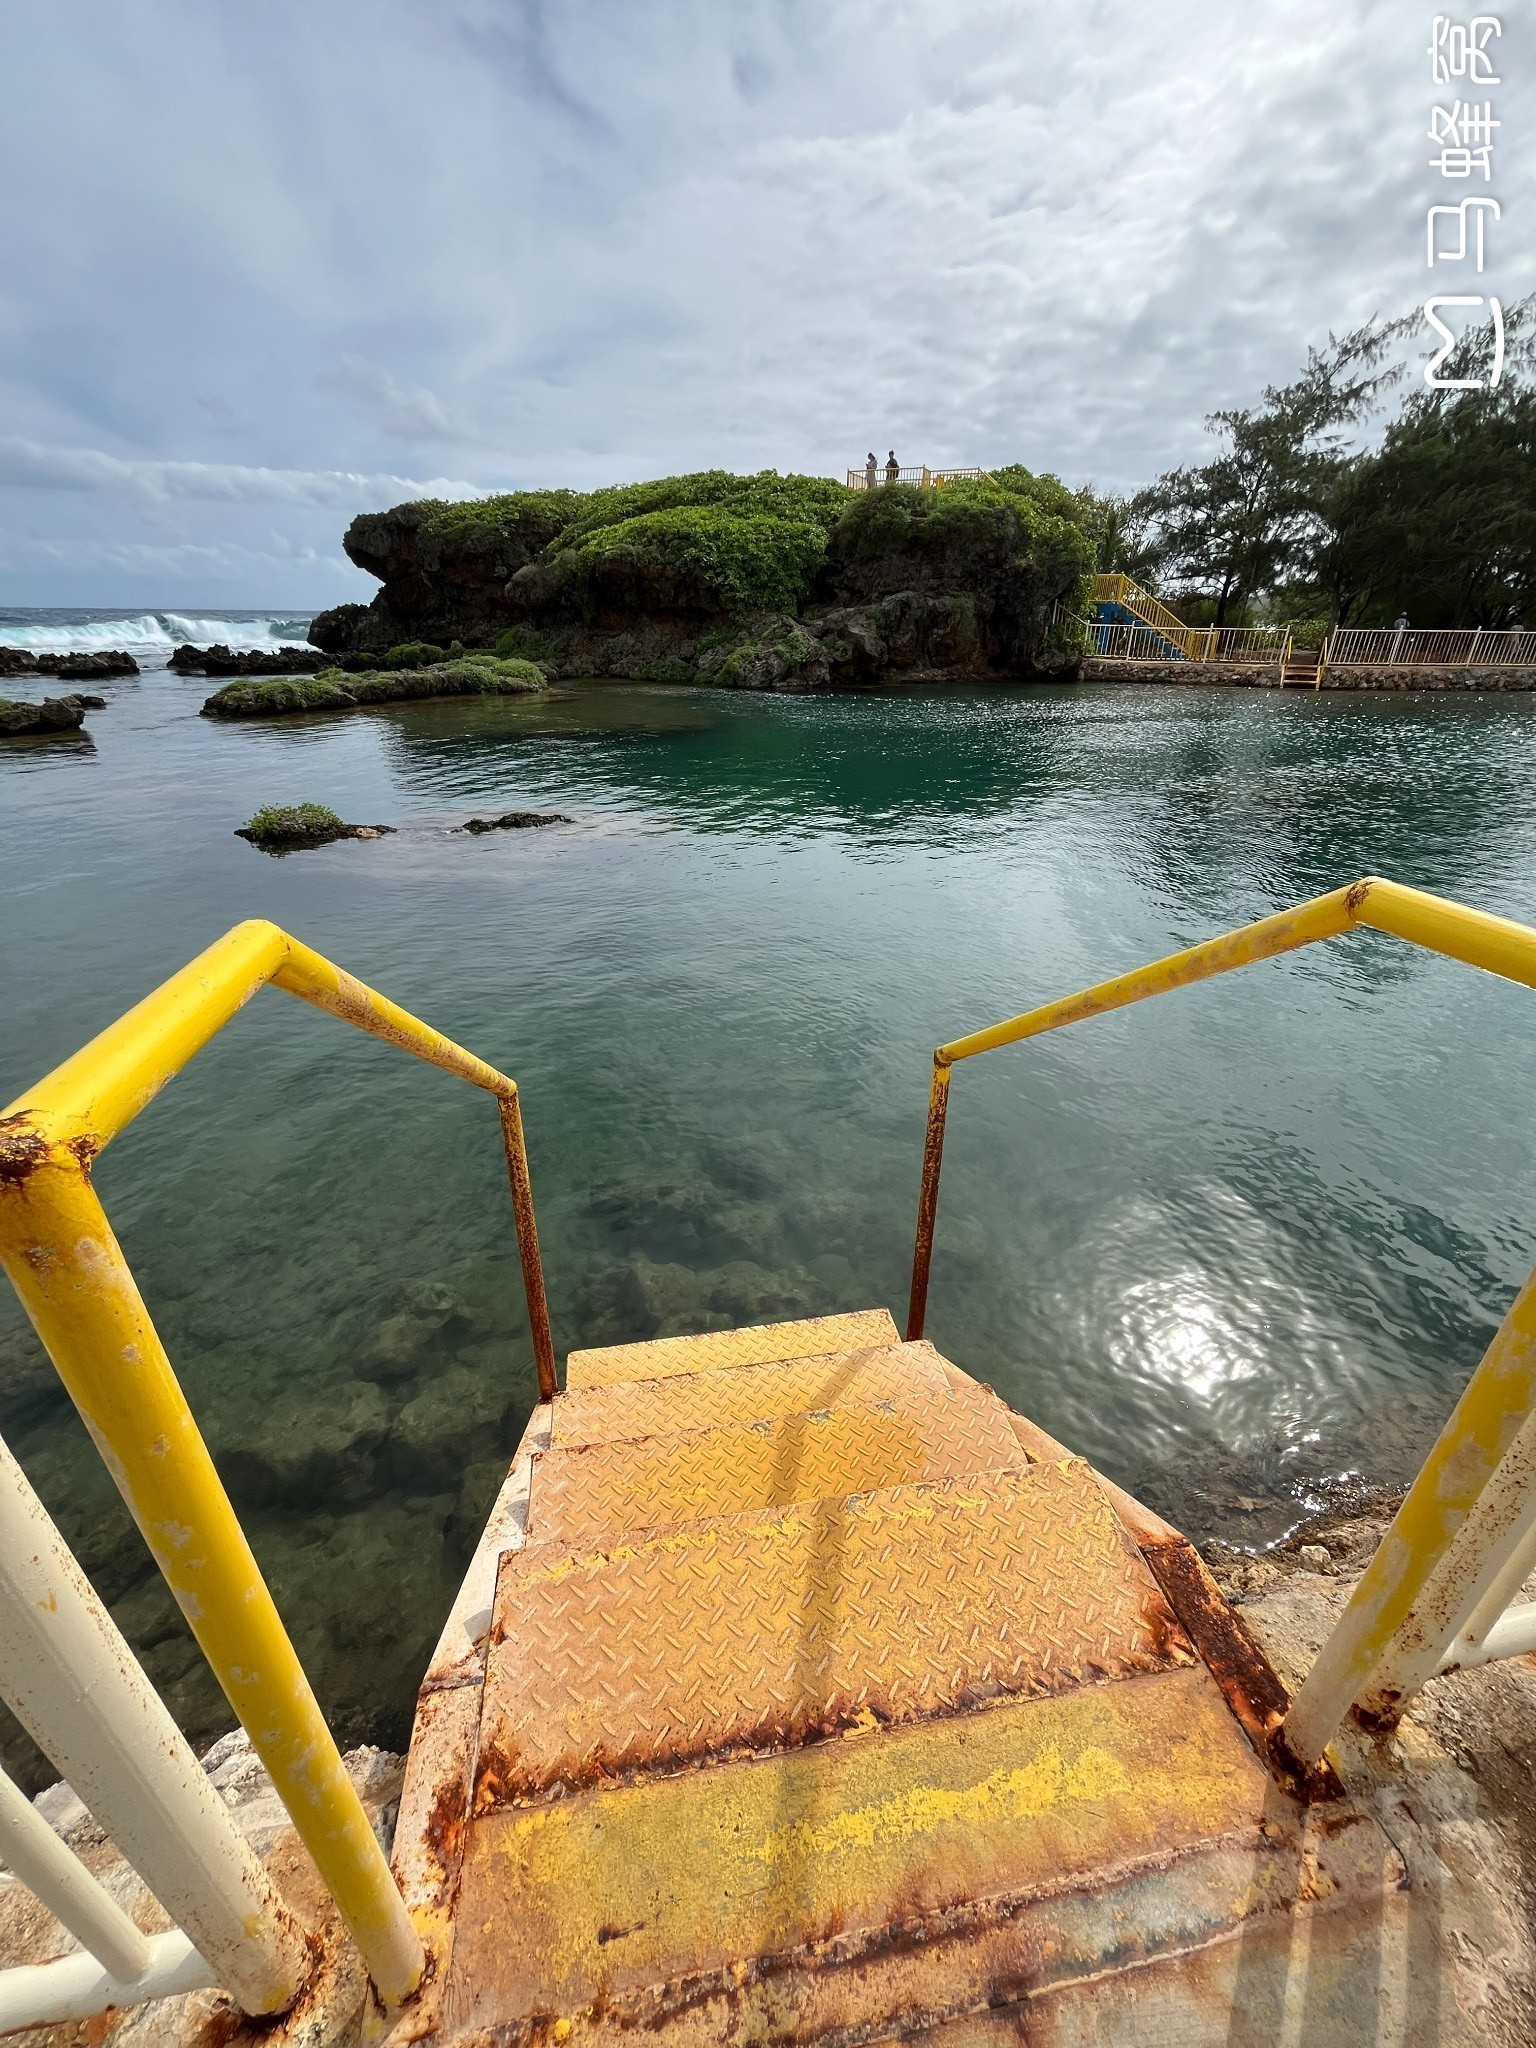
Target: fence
{"type": "Point", "coordinates": [1436, 1594]}
{"type": "Point", "coordinates": [64, 1669]}
{"type": "Point", "coordinates": [1111, 640]}
{"type": "Point", "coordinates": [1442, 647]}
{"type": "Point", "coordinates": [924, 478]}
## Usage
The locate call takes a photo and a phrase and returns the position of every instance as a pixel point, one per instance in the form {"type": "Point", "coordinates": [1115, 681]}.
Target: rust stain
{"type": "Point", "coordinates": [443, 1829]}
{"type": "Point", "coordinates": [23, 1149]}
{"type": "Point", "coordinates": [1355, 895]}
{"type": "Point", "coordinates": [1248, 1681]}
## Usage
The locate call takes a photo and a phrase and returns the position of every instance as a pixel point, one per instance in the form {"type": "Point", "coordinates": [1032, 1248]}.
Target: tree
{"type": "Point", "coordinates": [1238, 526]}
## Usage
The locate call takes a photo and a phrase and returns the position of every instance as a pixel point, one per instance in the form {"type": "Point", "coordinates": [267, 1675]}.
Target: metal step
{"type": "Point", "coordinates": [585, 1493]}
{"type": "Point", "coordinates": [714, 1350]}
{"type": "Point", "coordinates": [753, 1632]}
{"type": "Point", "coordinates": [747, 1393]}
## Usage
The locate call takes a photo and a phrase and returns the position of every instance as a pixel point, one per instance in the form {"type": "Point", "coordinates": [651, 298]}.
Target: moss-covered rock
{"type": "Point", "coordinates": [471, 675]}
{"type": "Point", "coordinates": [695, 577]}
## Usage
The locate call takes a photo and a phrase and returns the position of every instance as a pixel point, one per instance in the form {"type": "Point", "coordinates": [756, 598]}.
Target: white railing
{"type": "Point", "coordinates": [1118, 640]}
{"type": "Point", "coordinates": [76, 1687]}
{"type": "Point", "coordinates": [1429, 647]}
{"type": "Point", "coordinates": [924, 478]}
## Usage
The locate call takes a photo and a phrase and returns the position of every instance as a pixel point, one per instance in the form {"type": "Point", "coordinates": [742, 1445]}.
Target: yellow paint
{"type": "Point", "coordinates": [746, 1858]}
{"type": "Point", "coordinates": [67, 1267]}
{"type": "Point", "coordinates": [1038, 1787]}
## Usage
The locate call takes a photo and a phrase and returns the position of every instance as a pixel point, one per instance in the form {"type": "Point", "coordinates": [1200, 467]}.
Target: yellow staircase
{"type": "Point", "coordinates": [800, 1689]}
{"type": "Point", "coordinates": [1187, 643]}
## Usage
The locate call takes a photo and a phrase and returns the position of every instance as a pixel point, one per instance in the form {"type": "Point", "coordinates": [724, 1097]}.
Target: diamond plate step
{"type": "Point", "coordinates": [660, 1357]}
{"type": "Point", "coordinates": [582, 1494]}
{"type": "Point", "coordinates": [910, 1373]}
{"type": "Point", "coordinates": [907, 1872]}
{"type": "Point", "coordinates": [755, 1632]}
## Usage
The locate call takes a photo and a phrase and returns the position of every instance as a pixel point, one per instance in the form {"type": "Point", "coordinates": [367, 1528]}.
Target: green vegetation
{"type": "Point", "coordinates": [722, 542]}
{"type": "Point", "coordinates": [414, 654]}
{"type": "Point", "coordinates": [1294, 517]}
{"type": "Point", "coordinates": [1008, 517]}
{"type": "Point", "coordinates": [292, 821]}
{"type": "Point", "coordinates": [472, 675]}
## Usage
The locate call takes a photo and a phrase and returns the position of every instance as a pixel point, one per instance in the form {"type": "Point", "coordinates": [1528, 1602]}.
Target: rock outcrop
{"type": "Point", "coordinates": [475, 675]}
{"type": "Point", "coordinates": [894, 585]}
{"type": "Point", "coordinates": [54, 714]}
{"type": "Point", "coordinates": [220, 660]}
{"type": "Point", "coordinates": [70, 668]}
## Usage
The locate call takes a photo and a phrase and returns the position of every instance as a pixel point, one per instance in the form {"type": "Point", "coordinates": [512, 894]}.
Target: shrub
{"type": "Point", "coordinates": [280, 824]}
{"type": "Point", "coordinates": [415, 654]}
{"type": "Point", "coordinates": [522, 643]}
{"type": "Point", "coordinates": [668, 669]}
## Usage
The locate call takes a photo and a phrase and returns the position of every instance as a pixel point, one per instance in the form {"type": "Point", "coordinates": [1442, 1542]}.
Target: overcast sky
{"type": "Point", "coordinates": [265, 265]}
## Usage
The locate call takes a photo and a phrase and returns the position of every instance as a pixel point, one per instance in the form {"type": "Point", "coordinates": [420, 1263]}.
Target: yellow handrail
{"type": "Point", "coordinates": [1500, 1394]}
{"type": "Point", "coordinates": [69, 1271]}
{"type": "Point", "coordinates": [1116, 588]}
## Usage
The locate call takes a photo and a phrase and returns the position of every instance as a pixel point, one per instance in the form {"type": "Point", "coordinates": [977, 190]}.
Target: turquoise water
{"type": "Point", "coordinates": [1240, 1246]}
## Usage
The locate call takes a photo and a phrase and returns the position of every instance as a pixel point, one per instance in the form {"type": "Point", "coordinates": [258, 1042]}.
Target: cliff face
{"type": "Point", "coordinates": [768, 583]}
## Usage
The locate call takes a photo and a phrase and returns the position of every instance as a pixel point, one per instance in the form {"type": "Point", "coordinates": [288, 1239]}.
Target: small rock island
{"type": "Point", "coordinates": [748, 582]}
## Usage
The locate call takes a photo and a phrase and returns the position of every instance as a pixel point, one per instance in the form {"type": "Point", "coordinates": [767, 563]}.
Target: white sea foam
{"type": "Point", "coordinates": [151, 633]}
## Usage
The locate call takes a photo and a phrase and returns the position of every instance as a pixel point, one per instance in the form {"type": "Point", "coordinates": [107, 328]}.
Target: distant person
{"type": "Point", "coordinates": [870, 469]}
{"type": "Point", "coordinates": [1400, 623]}
{"type": "Point", "coordinates": [892, 467]}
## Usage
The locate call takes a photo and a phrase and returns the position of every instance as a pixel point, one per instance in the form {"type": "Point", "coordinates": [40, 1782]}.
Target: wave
{"type": "Point", "coordinates": [155, 633]}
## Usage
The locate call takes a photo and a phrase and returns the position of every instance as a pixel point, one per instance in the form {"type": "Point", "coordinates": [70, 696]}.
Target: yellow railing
{"type": "Point", "coordinates": [65, 1264]}
{"type": "Point", "coordinates": [1378, 1624]}
{"type": "Point", "coordinates": [1128, 593]}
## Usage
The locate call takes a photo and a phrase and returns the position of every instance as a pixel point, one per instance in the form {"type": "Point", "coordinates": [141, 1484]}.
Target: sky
{"type": "Point", "coordinates": [267, 266]}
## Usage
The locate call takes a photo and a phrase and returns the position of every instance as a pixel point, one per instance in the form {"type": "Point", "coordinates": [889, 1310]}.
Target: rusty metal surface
{"type": "Point", "coordinates": [528, 1244]}
{"type": "Point", "coordinates": [928, 1195]}
{"type": "Point", "coordinates": [658, 1358]}
{"type": "Point", "coordinates": [760, 1631]}
{"type": "Point", "coordinates": [583, 1494]}
{"type": "Point", "coordinates": [912, 1373]}
{"type": "Point", "coordinates": [612, 1895]}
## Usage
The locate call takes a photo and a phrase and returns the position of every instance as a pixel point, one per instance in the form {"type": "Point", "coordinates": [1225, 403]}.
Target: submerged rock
{"type": "Point", "coordinates": [512, 821]}
{"type": "Point", "coordinates": [54, 714]}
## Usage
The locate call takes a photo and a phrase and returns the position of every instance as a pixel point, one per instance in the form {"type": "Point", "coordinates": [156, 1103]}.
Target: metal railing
{"type": "Point", "coordinates": [1428, 647]}
{"type": "Point", "coordinates": [924, 477]}
{"type": "Point", "coordinates": [1434, 1596]}
{"type": "Point", "coordinates": [71, 1679]}
{"type": "Point", "coordinates": [1118, 640]}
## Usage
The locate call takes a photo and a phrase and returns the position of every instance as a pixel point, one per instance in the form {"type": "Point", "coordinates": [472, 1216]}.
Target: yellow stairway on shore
{"type": "Point", "coordinates": [802, 1690]}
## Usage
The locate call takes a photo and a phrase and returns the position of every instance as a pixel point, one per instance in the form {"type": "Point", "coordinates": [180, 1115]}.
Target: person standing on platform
{"type": "Point", "coordinates": [870, 468]}
{"type": "Point", "coordinates": [892, 468]}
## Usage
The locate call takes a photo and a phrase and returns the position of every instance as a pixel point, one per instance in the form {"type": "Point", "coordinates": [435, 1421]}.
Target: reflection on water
{"type": "Point", "coordinates": [1240, 1247]}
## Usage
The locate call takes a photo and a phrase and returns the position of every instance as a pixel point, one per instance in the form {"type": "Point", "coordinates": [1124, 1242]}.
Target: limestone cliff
{"type": "Point", "coordinates": [763, 582]}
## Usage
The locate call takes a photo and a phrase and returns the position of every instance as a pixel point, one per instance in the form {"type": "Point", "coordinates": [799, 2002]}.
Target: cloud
{"type": "Point", "coordinates": [581, 243]}
{"type": "Point", "coordinates": [30, 466]}
{"type": "Point", "coordinates": [407, 412]}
